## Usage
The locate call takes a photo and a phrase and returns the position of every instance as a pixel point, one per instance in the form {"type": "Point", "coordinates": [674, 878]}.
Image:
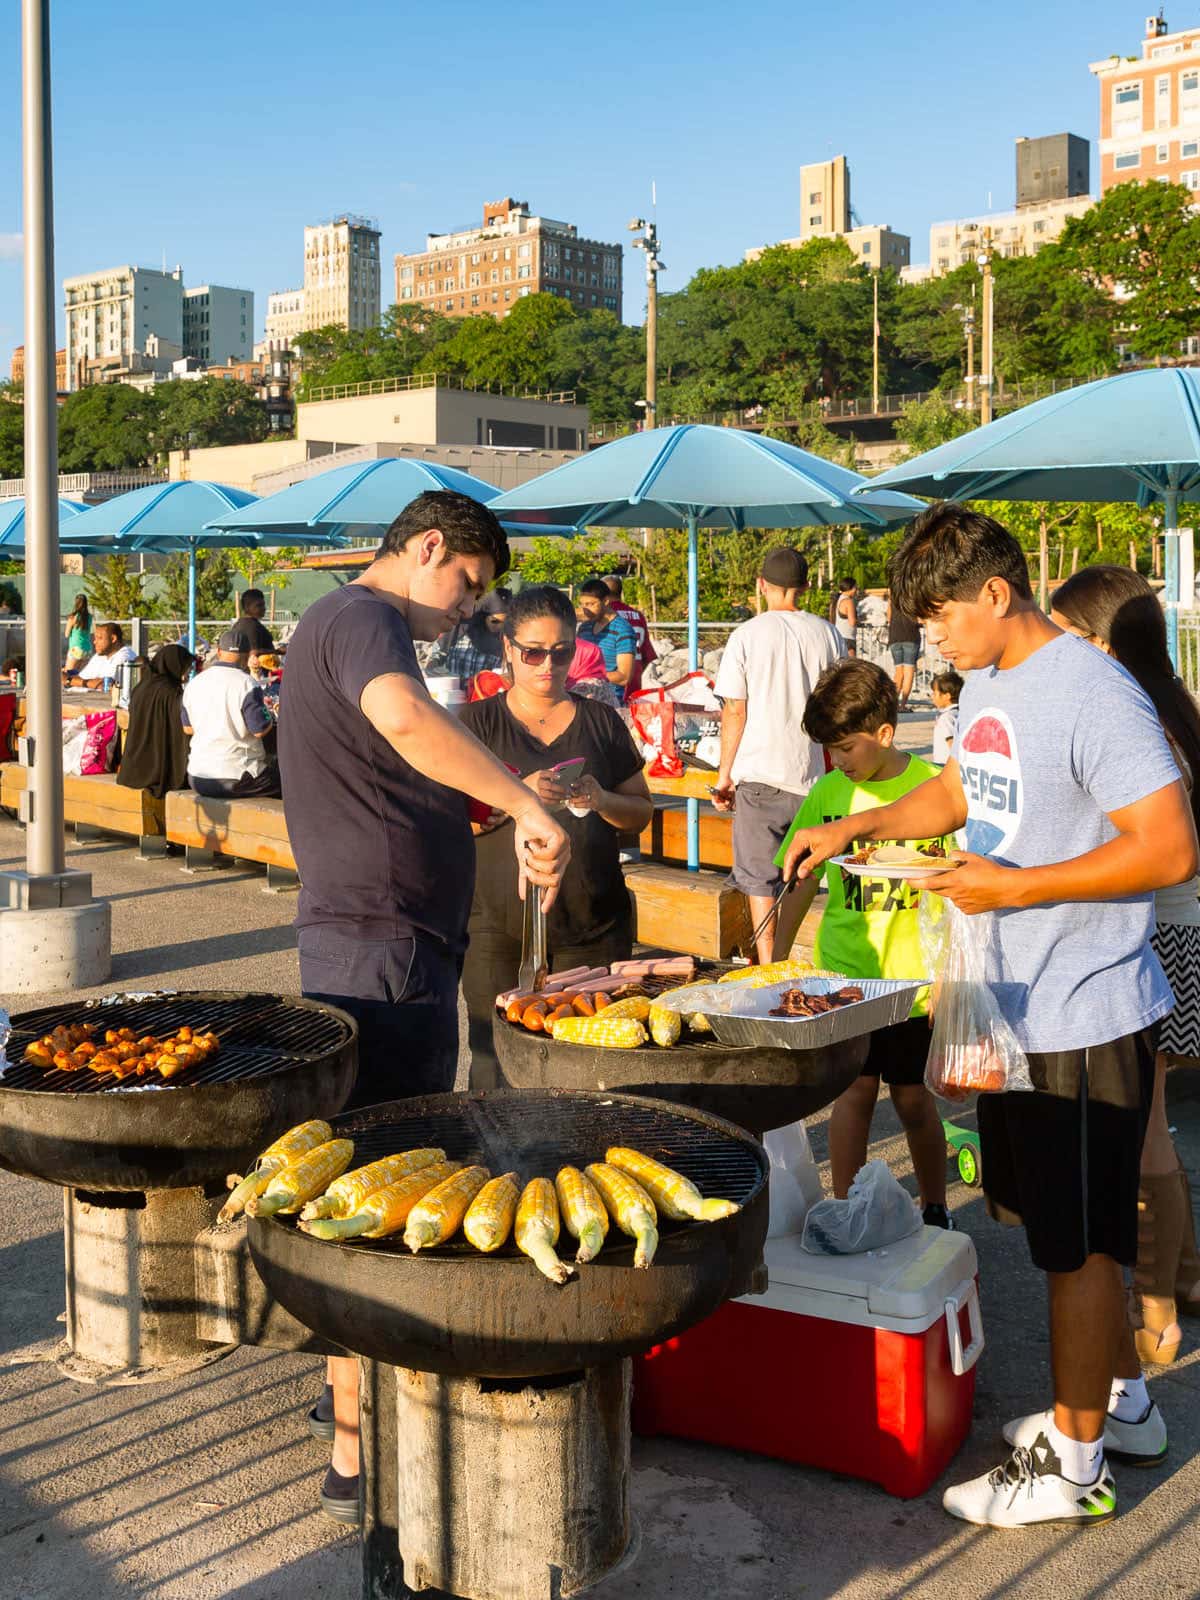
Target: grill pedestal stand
{"type": "Point", "coordinates": [481, 1489]}
{"type": "Point", "coordinates": [131, 1285]}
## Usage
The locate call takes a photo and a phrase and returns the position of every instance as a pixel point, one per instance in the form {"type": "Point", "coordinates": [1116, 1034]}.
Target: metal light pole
{"type": "Point", "coordinates": [968, 319]}
{"type": "Point", "coordinates": [986, 358]}
{"type": "Point", "coordinates": [53, 934]}
{"type": "Point", "coordinates": [649, 243]}
{"type": "Point", "coordinates": [874, 349]}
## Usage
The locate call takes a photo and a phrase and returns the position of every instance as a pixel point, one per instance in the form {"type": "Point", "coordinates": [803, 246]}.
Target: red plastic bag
{"type": "Point", "coordinates": [653, 714]}
{"type": "Point", "coordinates": [99, 743]}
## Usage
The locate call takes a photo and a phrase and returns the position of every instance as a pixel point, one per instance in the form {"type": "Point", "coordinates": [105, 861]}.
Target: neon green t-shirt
{"type": "Point", "coordinates": [869, 929]}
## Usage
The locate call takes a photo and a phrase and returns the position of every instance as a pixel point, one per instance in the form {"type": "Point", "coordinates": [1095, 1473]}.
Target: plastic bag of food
{"type": "Point", "coordinates": [973, 1050]}
{"type": "Point", "coordinates": [876, 1212]}
{"type": "Point", "coordinates": [5, 1030]}
{"type": "Point", "coordinates": [795, 1181]}
{"type": "Point", "coordinates": [653, 717]}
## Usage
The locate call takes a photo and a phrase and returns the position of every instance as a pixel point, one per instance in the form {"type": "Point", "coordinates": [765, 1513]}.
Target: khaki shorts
{"type": "Point", "coordinates": [762, 816]}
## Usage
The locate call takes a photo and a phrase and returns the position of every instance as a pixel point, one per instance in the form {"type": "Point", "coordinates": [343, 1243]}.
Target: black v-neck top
{"type": "Point", "coordinates": [593, 898]}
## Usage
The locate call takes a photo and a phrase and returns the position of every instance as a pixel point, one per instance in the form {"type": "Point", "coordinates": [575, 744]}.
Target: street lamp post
{"type": "Point", "coordinates": [986, 354]}
{"type": "Point", "coordinates": [649, 243]}
{"type": "Point", "coordinates": [53, 935]}
{"type": "Point", "coordinates": [875, 342]}
{"type": "Point", "coordinates": [967, 313]}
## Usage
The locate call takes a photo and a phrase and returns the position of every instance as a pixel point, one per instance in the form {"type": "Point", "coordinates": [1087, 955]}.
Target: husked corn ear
{"type": "Point", "coordinates": [345, 1194]}
{"type": "Point", "coordinates": [583, 1213]}
{"type": "Point", "coordinates": [636, 1006]}
{"type": "Point", "coordinates": [289, 1145]}
{"type": "Point", "coordinates": [489, 1217]}
{"type": "Point", "coordinates": [621, 1033]}
{"type": "Point", "coordinates": [630, 1207]}
{"type": "Point", "coordinates": [435, 1218]}
{"type": "Point", "coordinates": [675, 1196]}
{"type": "Point", "coordinates": [537, 1229]}
{"type": "Point", "coordinates": [772, 972]}
{"type": "Point", "coordinates": [665, 1025]}
{"type": "Point", "coordinates": [303, 1179]}
{"type": "Point", "coordinates": [384, 1210]}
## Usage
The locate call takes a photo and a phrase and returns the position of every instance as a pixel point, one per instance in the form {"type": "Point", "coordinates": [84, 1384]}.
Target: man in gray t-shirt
{"type": "Point", "coordinates": [1073, 815]}
{"type": "Point", "coordinates": [766, 676]}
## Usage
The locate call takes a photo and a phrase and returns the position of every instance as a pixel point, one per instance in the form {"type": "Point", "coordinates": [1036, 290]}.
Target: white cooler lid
{"type": "Point", "coordinates": [905, 1282]}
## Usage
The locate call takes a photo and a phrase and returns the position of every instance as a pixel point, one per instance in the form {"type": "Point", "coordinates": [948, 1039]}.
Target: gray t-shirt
{"type": "Point", "coordinates": [1046, 751]}
{"type": "Point", "coordinates": [772, 663]}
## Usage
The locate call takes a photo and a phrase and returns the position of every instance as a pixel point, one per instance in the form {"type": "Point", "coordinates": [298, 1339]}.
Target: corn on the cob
{"type": "Point", "coordinates": [675, 1196]}
{"type": "Point", "coordinates": [306, 1136]}
{"type": "Point", "coordinates": [489, 1217]}
{"type": "Point", "coordinates": [303, 1179]}
{"type": "Point", "coordinates": [385, 1210]}
{"type": "Point", "coordinates": [665, 1025]}
{"type": "Point", "coordinates": [772, 972]}
{"type": "Point", "coordinates": [636, 1006]}
{"type": "Point", "coordinates": [345, 1194]}
{"type": "Point", "coordinates": [630, 1207]}
{"type": "Point", "coordinates": [537, 1229]}
{"type": "Point", "coordinates": [622, 1033]}
{"type": "Point", "coordinates": [435, 1217]}
{"type": "Point", "coordinates": [583, 1213]}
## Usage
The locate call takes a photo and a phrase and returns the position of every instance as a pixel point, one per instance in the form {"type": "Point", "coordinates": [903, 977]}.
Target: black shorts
{"type": "Point", "coordinates": [897, 1054]}
{"type": "Point", "coordinates": [1065, 1160]}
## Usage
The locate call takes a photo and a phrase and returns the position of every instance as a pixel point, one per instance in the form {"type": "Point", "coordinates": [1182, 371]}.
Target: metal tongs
{"type": "Point", "coordinates": [534, 966]}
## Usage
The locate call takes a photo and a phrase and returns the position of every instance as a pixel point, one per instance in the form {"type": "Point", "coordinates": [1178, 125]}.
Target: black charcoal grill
{"type": "Point", "coordinates": [144, 1160]}
{"type": "Point", "coordinates": [280, 1062]}
{"type": "Point", "coordinates": [495, 1416]}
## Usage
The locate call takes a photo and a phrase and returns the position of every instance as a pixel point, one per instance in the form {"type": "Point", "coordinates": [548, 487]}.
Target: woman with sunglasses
{"type": "Point", "coordinates": [535, 727]}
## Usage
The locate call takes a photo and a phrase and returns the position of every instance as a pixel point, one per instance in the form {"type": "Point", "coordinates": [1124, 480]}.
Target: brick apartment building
{"type": "Point", "coordinates": [1150, 110]}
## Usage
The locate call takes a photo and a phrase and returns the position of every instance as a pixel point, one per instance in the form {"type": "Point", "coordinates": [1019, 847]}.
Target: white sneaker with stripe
{"type": "Point", "coordinates": [1029, 1488]}
{"type": "Point", "coordinates": [1137, 1444]}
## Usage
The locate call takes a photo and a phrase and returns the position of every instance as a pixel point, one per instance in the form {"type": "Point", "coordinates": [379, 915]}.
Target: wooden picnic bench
{"type": "Point", "coordinates": [248, 830]}
{"type": "Point", "coordinates": [95, 805]}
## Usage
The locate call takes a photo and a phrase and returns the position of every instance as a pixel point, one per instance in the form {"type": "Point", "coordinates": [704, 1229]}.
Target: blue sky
{"type": "Point", "coordinates": [213, 133]}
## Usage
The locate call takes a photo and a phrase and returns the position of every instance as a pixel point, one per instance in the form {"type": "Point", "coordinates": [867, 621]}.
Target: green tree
{"type": "Point", "coordinates": [198, 412]}
{"type": "Point", "coordinates": [107, 427]}
{"type": "Point", "coordinates": [116, 590]}
{"type": "Point", "coordinates": [1144, 238]}
{"type": "Point", "coordinates": [564, 562]}
{"type": "Point", "coordinates": [214, 584]}
{"type": "Point", "coordinates": [12, 432]}
{"type": "Point", "coordinates": [924, 424]}
{"type": "Point", "coordinates": [604, 361]}
{"type": "Point", "coordinates": [265, 569]}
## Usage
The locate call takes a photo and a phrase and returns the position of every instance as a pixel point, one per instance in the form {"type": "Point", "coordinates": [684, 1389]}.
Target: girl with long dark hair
{"type": "Point", "coordinates": [79, 632]}
{"type": "Point", "coordinates": [1115, 609]}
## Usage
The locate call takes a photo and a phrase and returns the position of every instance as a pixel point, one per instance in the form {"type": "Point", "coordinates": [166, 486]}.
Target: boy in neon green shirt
{"type": "Point", "coordinates": [869, 928]}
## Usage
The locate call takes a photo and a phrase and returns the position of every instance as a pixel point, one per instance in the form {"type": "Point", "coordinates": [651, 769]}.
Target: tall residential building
{"type": "Point", "coordinates": [483, 271]}
{"type": "Point", "coordinates": [1022, 232]}
{"type": "Point", "coordinates": [341, 281]}
{"type": "Point", "coordinates": [825, 199]}
{"type": "Point", "coordinates": [110, 315]}
{"type": "Point", "coordinates": [17, 373]}
{"type": "Point", "coordinates": [1150, 110]}
{"type": "Point", "coordinates": [218, 324]}
{"type": "Point", "coordinates": [1054, 167]}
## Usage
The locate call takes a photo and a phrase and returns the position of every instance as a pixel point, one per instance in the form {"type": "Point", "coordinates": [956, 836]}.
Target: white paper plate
{"type": "Point", "coordinates": [857, 871]}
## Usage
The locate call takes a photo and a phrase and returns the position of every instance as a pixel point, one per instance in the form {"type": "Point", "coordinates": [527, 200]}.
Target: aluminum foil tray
{"type": "Point", "coordinates": [885, 1002]}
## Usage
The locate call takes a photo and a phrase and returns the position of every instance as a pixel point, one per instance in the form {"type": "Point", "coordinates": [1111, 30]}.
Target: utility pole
{"type": "Point", "coordinates": [875, 343]}
{"type": "Point", "coordinates": [968, 320]}
{"type": "Point", "coordinates": [649, 243]}
{"type": "Point", "coordinates": [986, 356]}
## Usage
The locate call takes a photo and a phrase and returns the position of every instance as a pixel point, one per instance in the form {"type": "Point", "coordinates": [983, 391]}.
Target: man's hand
{"type": "Point", "coordinates": [548, 786]}
{"type": "Point", "coordinates": [722, 794]}
{"type": "Point", "coordinates": [543, 851]}
{"type": "Point", "coordinates": [978, 885]}
{"type": "Point", "coordinates": [811, 847]}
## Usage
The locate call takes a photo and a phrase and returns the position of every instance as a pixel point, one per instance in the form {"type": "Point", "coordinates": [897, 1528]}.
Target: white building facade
{"type": "Point", "coordinates": [218, 324]}
{"type": "Point", "coordinates": [1021, 232]}
{"type": "Point", "coordinates": [110, 315]}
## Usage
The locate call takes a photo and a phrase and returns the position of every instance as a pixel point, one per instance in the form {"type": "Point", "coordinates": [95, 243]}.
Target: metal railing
{"type": "Point", "coordinates": [1189, 649]}
{"type": "Point", "coordinates": [93, 485]}
{"type": "Point", "coordinates": [433, 380]}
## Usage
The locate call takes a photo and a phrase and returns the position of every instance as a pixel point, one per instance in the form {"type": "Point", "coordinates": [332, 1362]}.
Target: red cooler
{"type": "Point", "coordinates": [859, 1364]}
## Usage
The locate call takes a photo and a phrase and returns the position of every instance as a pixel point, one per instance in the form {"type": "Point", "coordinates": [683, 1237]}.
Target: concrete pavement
{"type": "Point", "coordinates": [205, 1487]}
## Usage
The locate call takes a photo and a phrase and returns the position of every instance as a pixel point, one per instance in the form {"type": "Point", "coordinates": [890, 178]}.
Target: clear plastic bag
{"type": "Point", "coordinates": [795, 1181]}
{"type": "Point", "coordinates": [973, 1049]}
{"type": "Point", "coordinates": [876, 1212]}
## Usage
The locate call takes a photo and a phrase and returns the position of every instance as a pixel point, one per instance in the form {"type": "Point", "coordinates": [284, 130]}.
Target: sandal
{"type": "Point", "coordinates": [320, 1418]}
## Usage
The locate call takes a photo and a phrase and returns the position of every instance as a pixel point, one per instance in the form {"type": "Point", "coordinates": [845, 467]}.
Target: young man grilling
{"type": "Point", "coordinates": [1074, 814]}
{"type": "Point", "coordinates": [375, 779]}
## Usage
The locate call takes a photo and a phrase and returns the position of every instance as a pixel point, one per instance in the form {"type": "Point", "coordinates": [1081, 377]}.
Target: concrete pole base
{"type": "Point", "coordinates": [131, 1284]}
{"type": "Point", "coordinates": [512, 1491]}
{"type": "Point", "coordinates": [55, 948]}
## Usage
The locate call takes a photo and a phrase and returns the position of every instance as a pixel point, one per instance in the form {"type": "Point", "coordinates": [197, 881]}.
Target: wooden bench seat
{"type": "Point", "coordinates": [95, 805]}
{"type": "Point", "coordinates": [695, 913]}
{"type": "Point", "coordinates": [250, 830]}
{"type": "Point", "coordinates": [665, 839]}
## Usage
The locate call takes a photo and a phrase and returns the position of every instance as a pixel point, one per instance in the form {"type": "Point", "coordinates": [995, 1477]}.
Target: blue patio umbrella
{"type": "Point", "coordinates": [693, 476]}
{"type": "Point", "coordinates": [353, 502]}
{"type": "Point", "coordinates": [1132, 437]}
{"type": "Point", "coordinates": [12, 523]}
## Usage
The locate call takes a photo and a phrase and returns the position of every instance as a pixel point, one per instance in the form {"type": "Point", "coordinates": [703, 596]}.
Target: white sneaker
{"type": "Point", "coordinates": [1029, 1488]}
{"type": "Point", "coordinates": [1138, 1444]}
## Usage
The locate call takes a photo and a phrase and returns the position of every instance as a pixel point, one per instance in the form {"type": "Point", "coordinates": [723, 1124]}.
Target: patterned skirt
{"type": "Point", "coordinates": [1177, 946]}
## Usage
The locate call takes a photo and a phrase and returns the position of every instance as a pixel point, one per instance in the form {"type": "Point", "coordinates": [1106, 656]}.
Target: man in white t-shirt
{"type": "Point", "coordinates": [227, 717]}
{"type": "Point", "coordinates": [767, 760]}
{"type": "Point", "coordinates": [111, 653]}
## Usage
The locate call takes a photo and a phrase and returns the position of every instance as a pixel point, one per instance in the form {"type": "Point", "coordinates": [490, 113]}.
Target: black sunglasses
{"type": "Point", "coordinates": [534, 655]}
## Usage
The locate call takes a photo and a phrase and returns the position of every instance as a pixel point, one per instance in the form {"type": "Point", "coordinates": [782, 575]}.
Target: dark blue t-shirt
{"type": "Point", "coordinates": [381, 849]}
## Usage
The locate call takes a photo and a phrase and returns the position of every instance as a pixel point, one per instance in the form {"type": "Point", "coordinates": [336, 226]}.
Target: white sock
{"type": "Point", "coordinates": [1128, 1399]}
{"type": "Point", "coordinates": [1081, 1462]}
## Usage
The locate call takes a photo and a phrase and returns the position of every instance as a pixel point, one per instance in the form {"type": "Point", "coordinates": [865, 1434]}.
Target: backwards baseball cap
{"type": "Point", "coordinates": [785, 568]}
{"type": "Point", "coordinates": [233, 639]}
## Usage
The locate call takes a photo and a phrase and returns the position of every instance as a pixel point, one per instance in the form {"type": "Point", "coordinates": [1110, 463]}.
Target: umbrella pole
{"type": "Point", "coordinates": [192, 598]}
{"type": "Point", "coordinates": [1171, 554]}
{"type": "Point", "coordinates": [693, 581]}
